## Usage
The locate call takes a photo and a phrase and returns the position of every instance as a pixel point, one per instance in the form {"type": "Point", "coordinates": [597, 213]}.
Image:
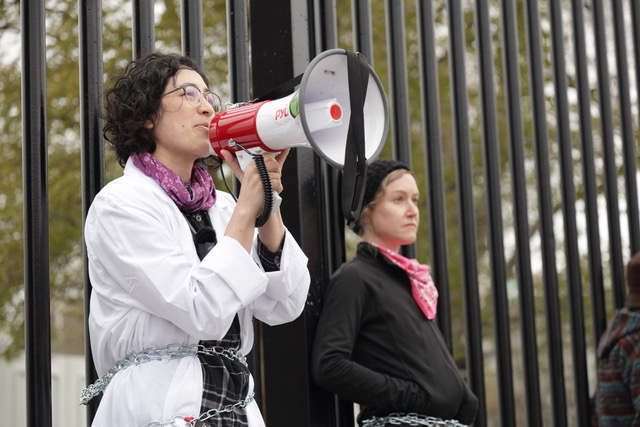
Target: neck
{"type": "Point", "coordinates": [182, 170]}
{"type": "Point", "coordinates": [394, 248]}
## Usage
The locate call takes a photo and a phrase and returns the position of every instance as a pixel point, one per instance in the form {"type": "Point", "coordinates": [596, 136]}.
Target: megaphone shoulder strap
{"type": "Point", "coordinates": [355, 162]}
{"type": "Point", "coordinates": [281, 91]}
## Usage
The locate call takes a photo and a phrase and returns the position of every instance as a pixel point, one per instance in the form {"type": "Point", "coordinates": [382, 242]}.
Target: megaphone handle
{"type": "Point", "coordinates": [272, 199]}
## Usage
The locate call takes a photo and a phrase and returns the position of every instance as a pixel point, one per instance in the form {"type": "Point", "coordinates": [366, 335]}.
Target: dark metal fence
{"type": "Point", "coordinates": [36, 225]}
{"type": "Point", "coordinates": [548, 101]}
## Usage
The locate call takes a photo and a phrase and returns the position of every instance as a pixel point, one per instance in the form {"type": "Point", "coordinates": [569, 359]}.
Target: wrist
{"type": "Point", "coordinates": [272, 232]}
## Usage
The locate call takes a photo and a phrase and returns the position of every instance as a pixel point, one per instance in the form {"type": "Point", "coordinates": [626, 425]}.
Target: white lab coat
{"type": "Point", "coordinates": [150, 290]}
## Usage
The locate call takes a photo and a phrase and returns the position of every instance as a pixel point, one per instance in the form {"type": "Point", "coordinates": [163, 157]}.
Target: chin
{"type": "Point", "coordinates": [411, 236]}
{"type": "Point", "coordinates": [409, 241]}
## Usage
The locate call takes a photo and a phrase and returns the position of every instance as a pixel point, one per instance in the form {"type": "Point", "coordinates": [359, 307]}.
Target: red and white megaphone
{"type": "Point", "coordinates": [317, 115]}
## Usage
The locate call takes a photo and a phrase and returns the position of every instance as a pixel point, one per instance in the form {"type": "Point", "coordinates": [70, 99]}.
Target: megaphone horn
{"type": "Point", "coordinates": [317, 115]}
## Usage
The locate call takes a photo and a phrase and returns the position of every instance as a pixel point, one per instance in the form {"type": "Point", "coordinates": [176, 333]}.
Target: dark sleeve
{"type": "Point", "coordinates": [270, 260]}
{"type": "Point", "coordinates": [344, 309]}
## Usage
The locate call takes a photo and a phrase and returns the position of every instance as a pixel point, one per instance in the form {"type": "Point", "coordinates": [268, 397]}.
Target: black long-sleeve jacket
{"type": "Point", "coordinates": [374, 346]}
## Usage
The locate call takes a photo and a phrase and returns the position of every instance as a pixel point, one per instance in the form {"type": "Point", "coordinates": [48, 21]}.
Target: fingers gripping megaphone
{"type": "Point", "coordinates": [339, 110]}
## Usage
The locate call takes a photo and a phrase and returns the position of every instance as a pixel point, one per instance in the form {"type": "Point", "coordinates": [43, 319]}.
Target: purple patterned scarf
{"type": "Point", "coordinates": [190, 196]}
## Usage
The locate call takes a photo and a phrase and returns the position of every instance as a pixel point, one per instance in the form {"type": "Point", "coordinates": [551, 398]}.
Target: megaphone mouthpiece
{"type": "Point", "coordinates": [323, 115]}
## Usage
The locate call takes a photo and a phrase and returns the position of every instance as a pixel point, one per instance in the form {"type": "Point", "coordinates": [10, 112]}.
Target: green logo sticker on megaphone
{"type": "Point", "coordinates": [294, 105]}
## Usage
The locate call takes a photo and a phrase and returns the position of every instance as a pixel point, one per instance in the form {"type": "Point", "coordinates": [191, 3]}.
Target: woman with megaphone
{"type": "Point", "coordinates": [377, 343]}
{"type": "Point", "coordinates": [178, 269]}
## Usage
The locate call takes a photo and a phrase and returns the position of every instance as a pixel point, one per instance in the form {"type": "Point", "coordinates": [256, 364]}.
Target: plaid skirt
{"type": "Point", "coordinates": [225, 382]}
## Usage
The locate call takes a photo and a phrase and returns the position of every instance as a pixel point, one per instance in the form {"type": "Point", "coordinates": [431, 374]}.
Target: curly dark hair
{"type": "Point", "coordinates": [134, 96]}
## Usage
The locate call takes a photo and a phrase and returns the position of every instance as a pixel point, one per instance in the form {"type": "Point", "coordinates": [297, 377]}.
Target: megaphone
{"type": "Point", "coordinates": [319, 115]}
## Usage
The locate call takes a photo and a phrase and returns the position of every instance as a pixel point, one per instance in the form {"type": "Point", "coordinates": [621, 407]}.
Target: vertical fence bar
{"type": "Point", "coordinates": [272, 65]}
{"type": "Point", "coordinates": [326, 31]}
{"type": "Point", "coordinates": [143, 28]}
{"type": "Point", "coordinates": [494, 212]}
{"type": "Point", "coordinates": [92, 162]}
{"type": "Point", "coordinates": [399, 96]}
{"type": "Point", "coordinates": [464, 184]}
{"type": "Point", "coordinates": [635, 28]}
{"type": "Point", "coordinates": [326, 35]}
{"type": "Point", "coordinates": [238, 43]}
{"type": "Point", "coordinates": [626, 123]}
{"type": "Point", "coordinates": [513, 109]}
{"type": "Point", "coordinates": [341, 410]}
{"type": "Point", "coordinates": [590, 189]}
{"type": "Point", "coordinates": [36, 216]}
{"type": "Point", "coordinates": [361, 15]}
{"type": "Point", "coordinates": [240, 82]}
{"type": "Point", "coordinates": [547, 239]}
{"type": "Point", "coordinates": [610, 171]}
{"type": "Point", "coordinates": [572, 255]}
{"type": "Point", "coordinates": [192, 32]}
{"type": "Point", "coordinates": [287, 388]}
{"type": "Point", "coordinates": [433, 164]}
{"type": "Point", "coordinates": [631, 156]}
{"type": "Point", "coordinates": [240, 91]}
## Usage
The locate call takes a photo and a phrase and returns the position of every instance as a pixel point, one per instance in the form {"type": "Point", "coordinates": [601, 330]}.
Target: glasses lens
{"type": "Point", "coordinates": [215, 101]}
{"type": "Point", "coordinates": [193, 95]}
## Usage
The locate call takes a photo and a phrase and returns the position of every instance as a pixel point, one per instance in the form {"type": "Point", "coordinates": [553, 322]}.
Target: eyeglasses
{"type": "Point", "coordinates": [194, 96]}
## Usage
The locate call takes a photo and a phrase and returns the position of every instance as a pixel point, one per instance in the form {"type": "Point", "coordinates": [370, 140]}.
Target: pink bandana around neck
{"type": "Point", "coordinates": [423, 289]}
{"type": "Point", "coordinates": [190, 196]}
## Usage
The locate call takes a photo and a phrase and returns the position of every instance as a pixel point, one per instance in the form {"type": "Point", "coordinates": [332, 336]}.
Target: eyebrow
{"type": "Point", "coordinates": [205, 90]}
{"type": "Point", "coordinates": [403, 192]}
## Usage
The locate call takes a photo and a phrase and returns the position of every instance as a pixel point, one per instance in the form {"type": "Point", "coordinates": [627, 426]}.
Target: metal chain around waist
{"type": "Point", "coordinates": [188, 421]}
{"type": "Point", "coordinates": [172, 351]}
{"type": "Point", "coordinates": [410, 420]}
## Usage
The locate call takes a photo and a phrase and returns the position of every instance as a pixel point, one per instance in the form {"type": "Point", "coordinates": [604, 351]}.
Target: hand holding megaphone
{"type": "Point", "coordinates": [260, 175]}
{"type": "Point", "coordinates": [340, 100]}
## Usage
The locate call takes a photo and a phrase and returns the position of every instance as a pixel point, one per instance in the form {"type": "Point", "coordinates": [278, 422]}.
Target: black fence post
{"type": "Point", "coordinates": [466, 210]}
{"type": "Point", "coordinates": [36, 224]}
{"type": "Point", "coordinates": [282, 37]}
{"type": "Point", "coordinates": [92, 151]}
{"type": "Point", "coordinates": [143, 27]}
{"type": "Point", "coordinates": [192, 31]}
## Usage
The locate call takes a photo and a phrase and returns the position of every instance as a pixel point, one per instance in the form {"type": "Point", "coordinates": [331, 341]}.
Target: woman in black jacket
{"type": "Point", "coordinates": [377, 343]}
